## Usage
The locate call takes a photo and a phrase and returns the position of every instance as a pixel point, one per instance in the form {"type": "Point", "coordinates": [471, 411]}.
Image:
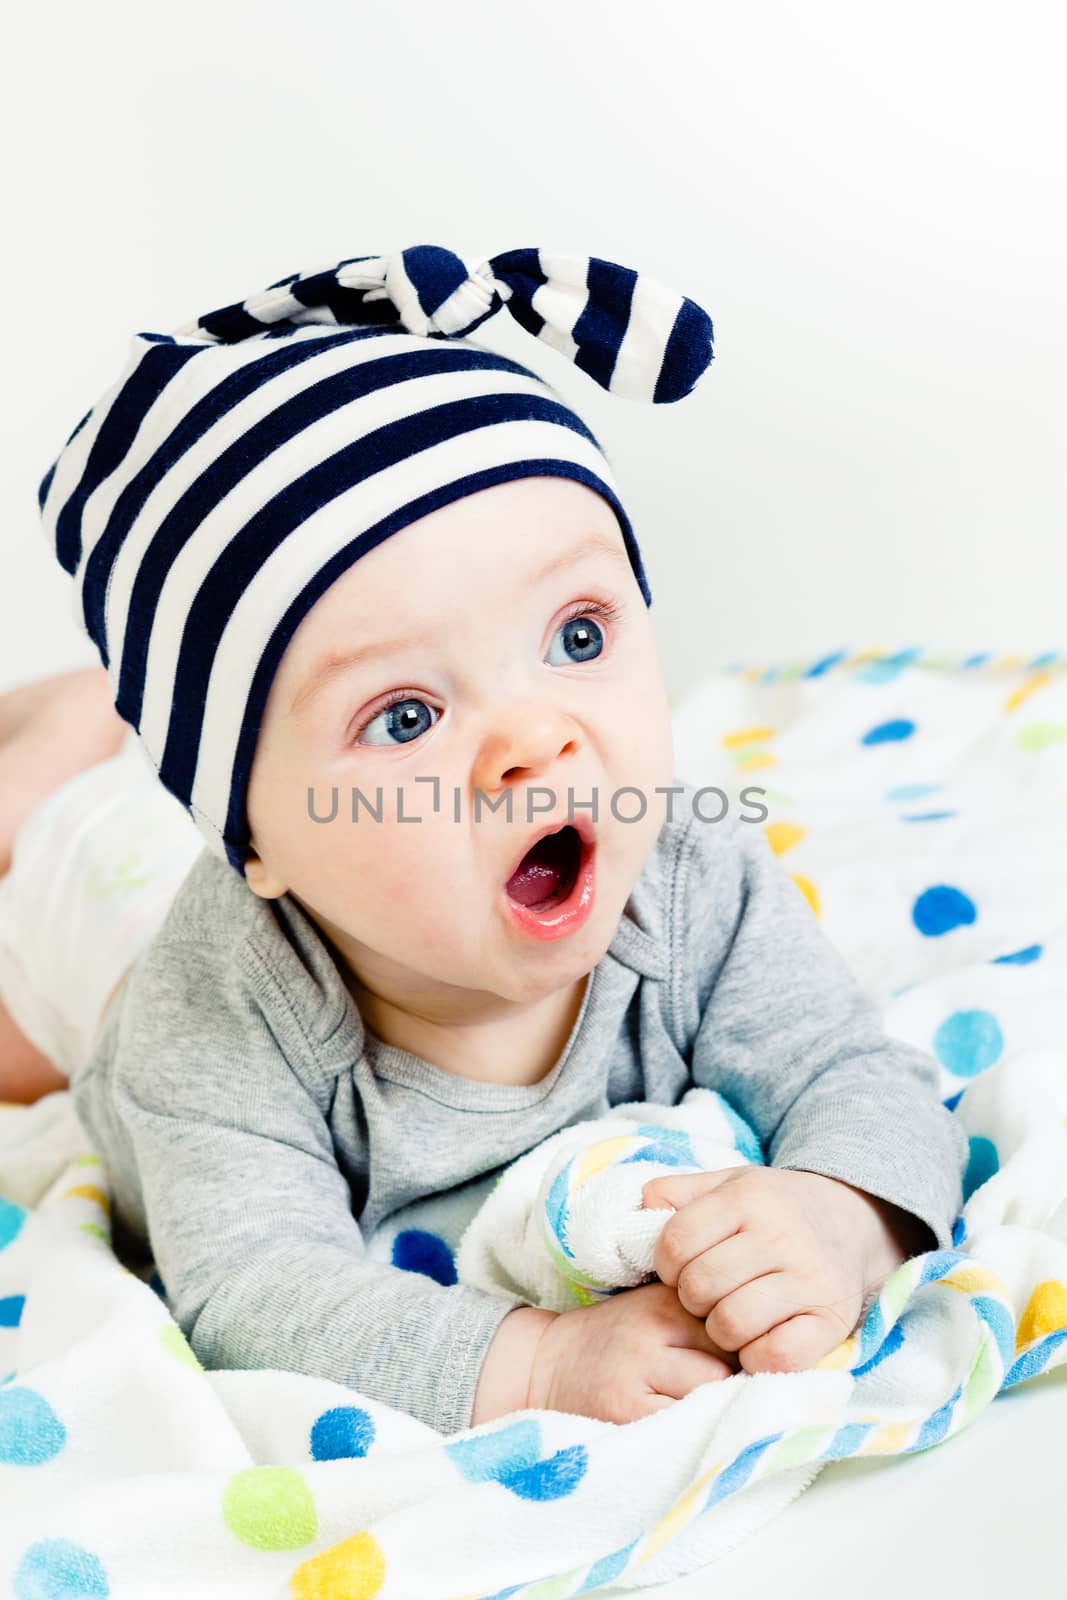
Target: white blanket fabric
{"type": "Point", "coordinates": [922, 808]}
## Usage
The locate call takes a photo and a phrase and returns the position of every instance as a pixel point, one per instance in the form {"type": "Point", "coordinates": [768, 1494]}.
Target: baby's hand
{"type": "Point", "coordinates": [777, 1261]}
{"type": "Point", "coordinates": [623, 1357]}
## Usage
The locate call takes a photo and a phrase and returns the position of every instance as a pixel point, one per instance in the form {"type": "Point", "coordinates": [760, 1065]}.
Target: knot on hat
{"type": "Point", "coordinates": [632, 334]}
{"type": "Point", "coordinates": [435, 294]}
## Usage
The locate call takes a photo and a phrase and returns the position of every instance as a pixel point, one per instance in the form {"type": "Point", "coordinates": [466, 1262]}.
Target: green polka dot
{"type": "Point", "coordinates": [96, 1230]}
{"type": "Point", "coordinates": [1039, 735]}
{"type": "Point", "coordinates": [175, 1344]}
{"type": "Point", "coordinates": [88, 1161]}
{"type": "Point", "coordinates": [270, 1508]}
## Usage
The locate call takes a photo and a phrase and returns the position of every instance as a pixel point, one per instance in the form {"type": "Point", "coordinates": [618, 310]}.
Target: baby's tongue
{"type": "Point", "coordinates": [537, 878]}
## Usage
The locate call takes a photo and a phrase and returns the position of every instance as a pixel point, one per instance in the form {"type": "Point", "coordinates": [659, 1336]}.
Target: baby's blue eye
{"type": "Point", "coordinates": [403, 721]}
{"type": "Point", "coordinates": [408, 717]}
{"type": "Point", "coordinates": [582, 635]}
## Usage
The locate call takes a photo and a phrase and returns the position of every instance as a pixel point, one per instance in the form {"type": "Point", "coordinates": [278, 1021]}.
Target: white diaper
{"type": "Point", "coordinates": [93, 872]}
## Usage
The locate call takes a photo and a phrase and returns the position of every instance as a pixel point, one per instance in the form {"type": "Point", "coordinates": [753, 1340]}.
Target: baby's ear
{"type": "Point", "coordinates": [259, 877]}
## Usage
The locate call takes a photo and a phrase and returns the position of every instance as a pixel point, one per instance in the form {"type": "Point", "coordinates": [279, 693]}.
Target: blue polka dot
{"type": "Point", "coordinates": [911, 791]}
{"type": "Point", "coordinates": [484, 1458]}
{"type": "Point", "coordinates": [959, 1232]}
{"type": "Point", "coordinates": [942, 908]}
{"type": "Point", "coordinates": [745, 1140]}
{"type": "Point", "coordinates": [669, 1146]}
{"type": "Point", "coordinates": [889, 732]}
{"type": "Point", "coordinates": [551, 1479]}
{"type": "Point", "coordinates": [982, 1164]}
{"type": "Point", "coordinates": [889, 1346]}
{"type": "Point", "coordinates": [416, 1250]}
{"type": "Point", "coordinates": [825, 664]}
{"type": "Point", "coordinates": [953, 1100]}
{"type": "Point", "coordinates": [557, 1207]}
{"type": "Point", "coordinates": [1020, 958]}
{"type": "Point", "coordinates": [56, 1569]}
{"type": "Point", "coordinates": [155, 1283]}
{"type": "Point", "coordinates": [30, 1431]}
{"type": "Point", "coordinates": [607, 1567]}
{"type": "Point", "coordinates": [1049, 659]}
{"type": "Point", "coordinates": [968, 1042]}
{"type": "Point", "coordinates": [926, 816]}
{"type": "Point", "coordinates": [510, 1456]}
{"type": "Point", "coordinates": [11, 1307]}
{"type": "Point", "coordinates": [342, 1432]}
{"type": "Point", "coordinates": [888, 668]}
{"type": "Point", "coordinates": [979, 660]}
{"type": "Point", "coordinates": [11, 1219]}
{"type": "Point", "coordinates": [663, 1151]}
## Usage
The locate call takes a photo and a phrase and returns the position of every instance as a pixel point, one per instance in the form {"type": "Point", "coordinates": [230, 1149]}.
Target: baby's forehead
{"type": "Point", "coordinates": [426, 575]}
{"type": "Point", "coordinates": [402, 596]}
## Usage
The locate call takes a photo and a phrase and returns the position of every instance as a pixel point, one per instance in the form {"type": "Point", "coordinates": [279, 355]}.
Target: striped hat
{"type": "Point", "coordinates": [240, 465]}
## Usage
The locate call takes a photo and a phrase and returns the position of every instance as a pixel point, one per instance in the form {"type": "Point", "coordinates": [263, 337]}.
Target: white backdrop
{"type": "Point", "coordinates": [867, 199]}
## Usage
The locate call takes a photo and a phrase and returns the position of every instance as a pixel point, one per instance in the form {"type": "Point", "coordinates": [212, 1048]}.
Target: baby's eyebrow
{"type": "Point", "coordinates": [597, 544]}
{"type": "Point", "coordinates": [328, 668]}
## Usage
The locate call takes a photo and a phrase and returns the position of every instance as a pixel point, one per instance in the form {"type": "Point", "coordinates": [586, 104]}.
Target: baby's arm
{"type": "Point", "coordinates": [504, 1383]}
{"type": "Point", "coordinates": [782, 1029]}
{"type": "Point", "coordinates": [250, 1219]}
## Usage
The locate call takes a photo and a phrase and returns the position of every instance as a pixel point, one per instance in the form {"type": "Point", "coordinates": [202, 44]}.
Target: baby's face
{"type": "Point", "coordinates": [477, 675]}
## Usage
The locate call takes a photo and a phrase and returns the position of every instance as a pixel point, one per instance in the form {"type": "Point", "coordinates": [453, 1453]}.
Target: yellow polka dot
{"type": "Point", "coordinates": [1018, 695]}
{"type": "Point", "coordinates": [751, 761]}
{"type": "Point", "coordinates": [782, 836]}
{"type": "Point", "coordinates": [730, 741]}
{"type": "Point", "coordinates": [1046, 1310]}
{"type": "Point", "coordinates": [752, 674]}
{"type": "Point", "coordinates": [601, 1155]}
{"type": "Point", "coordinates": [89, 1191]}
{"type": "Point", "coordinates": [973, 1280]}
{"type": "Point", "coordinates": [808, 890]}
{"type": "Point", "coordinates": [354, 1569]}
{"type": "Point", "coordinates": [1011, 661]}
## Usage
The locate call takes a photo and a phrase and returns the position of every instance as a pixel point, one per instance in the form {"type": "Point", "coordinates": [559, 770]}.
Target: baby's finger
{"type": "Point", "coordinates": [725, 1267]}
{"type": "Point", "coordinates": [698, 1226]}
{"type": "Point", "coordinates": [678, 1371]}
{"type": "Point", "coordinates": [793, 1345]}
{"type": "Point", "coordinates": [754, 1309]}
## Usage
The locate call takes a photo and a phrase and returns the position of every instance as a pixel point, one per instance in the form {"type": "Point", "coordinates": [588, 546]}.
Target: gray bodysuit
{"type": "Point", "coordinates": [256, 1134]}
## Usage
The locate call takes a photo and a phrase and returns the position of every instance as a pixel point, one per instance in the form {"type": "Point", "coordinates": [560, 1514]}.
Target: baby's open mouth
{"type": "Point", "coordinates": [548, 871]}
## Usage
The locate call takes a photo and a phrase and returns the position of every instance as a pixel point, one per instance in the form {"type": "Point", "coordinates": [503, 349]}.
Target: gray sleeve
{"type": "Point", "coordinates": [249, 1216]}
{"type": "Point", "coordinates": [785, 1033]}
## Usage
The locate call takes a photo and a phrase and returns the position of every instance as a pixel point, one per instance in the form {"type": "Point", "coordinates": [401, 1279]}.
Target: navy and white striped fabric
{"type": "Point", "coordinates": [240, 465]}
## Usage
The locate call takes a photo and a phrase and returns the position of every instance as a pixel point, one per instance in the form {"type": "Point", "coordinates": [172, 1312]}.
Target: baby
{"type": "Point", "coordinates": [368, 596]}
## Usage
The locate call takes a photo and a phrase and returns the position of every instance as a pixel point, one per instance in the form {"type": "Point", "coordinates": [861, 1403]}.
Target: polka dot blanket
{"type": "Point", "coordinates": [920, 803]}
